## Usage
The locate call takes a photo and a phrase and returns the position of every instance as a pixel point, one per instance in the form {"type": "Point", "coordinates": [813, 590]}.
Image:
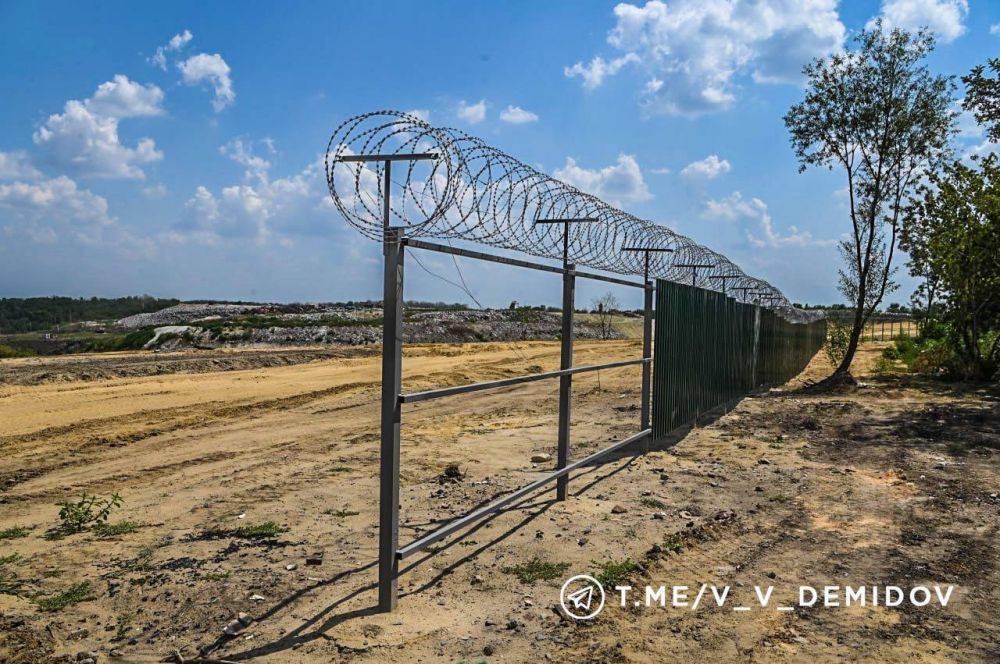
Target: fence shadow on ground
{"type": "Point", "coordinates": [316, 626]}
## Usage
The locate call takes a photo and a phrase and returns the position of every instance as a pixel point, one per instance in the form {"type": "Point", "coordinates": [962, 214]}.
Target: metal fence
{"type": "Point", "coordinates": [710, 349]}
{"type": "Point", "coordinates": [393, 400]}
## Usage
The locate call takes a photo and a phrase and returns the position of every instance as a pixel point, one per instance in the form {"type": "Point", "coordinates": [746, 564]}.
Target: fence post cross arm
{"type": "Point", "coordinates": [723, 277]}
{"type": "Point", "coordinates": [694, 269]}
{"type": "Point", "coordinates": [566, 221]}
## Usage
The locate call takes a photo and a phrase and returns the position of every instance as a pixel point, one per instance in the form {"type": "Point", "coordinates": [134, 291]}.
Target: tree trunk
{"type": "Point", "coordinates": [852, 347]}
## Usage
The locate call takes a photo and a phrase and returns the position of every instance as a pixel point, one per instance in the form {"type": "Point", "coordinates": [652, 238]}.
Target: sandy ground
{"type": "Point", "coordinates": [893, 483]}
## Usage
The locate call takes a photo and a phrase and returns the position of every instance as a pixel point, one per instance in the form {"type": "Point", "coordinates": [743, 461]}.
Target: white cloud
{"type": "Point", "coordinates": [123, 98]}
{"type": "Point", "coordinates": [594, 73]}
{"type": "Point", "coordinates": [661, 171]}
{"type": "Point", "coordinates": [617, 184]}
{"type": "Point", "coordinates": [735, 207]}
{"type": "Point", "coordinates": [472, 113]}
{"type": "Point", "coordinates": [995, 29]}
{"type": "Point", "coordinates": [17, 166]}
{"type": "Point", "coordinates": [946, 18]}
{"type": "Point", "coordinates": [517, 115]}
{"type": "Point", "coordinates": [212, 69]}
{"type": "Point", "coordinates": [46, 210]}
{"type": "Point", "coordinates": [176, 43]}
{"type": "Point", "coordinates": [242, 153]}
{"type": "Point", "coordinates": [265, 210]}
{"type": "Point", "coordinates": [708, 168]}
{"type": "Point", "coordinates": [693, 50]}
{"type": "Point", "coordinates": [155, 191]}
{"type": "Point", "coordinates": [84, 137]}
{"type": "Point", "coordinates": [420, 114]}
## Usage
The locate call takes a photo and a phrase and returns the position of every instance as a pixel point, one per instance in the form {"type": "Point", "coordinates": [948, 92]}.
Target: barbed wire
{"type": "Point", "coordinates": [473, 191]}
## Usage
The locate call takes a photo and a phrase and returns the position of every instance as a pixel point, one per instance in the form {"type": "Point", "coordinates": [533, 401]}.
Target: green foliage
{"type": "Point", "coordinates": [536, 569]}
{"type": "Point", "coordinates": [951, 232]}
{"type": "Point", "coordinates": [15, 532]}
{"type": "Point", "coordinates": [88, 511]}
{"type": "Point", "coordinates": [982, 97]}
{"type": "Point", "coordinates": [44, 313]}
{"type": "Point", "coordinates": [611, 573]}
{"type": "Point", "coordinates": [652, 503]}
{"type": "Point", "coordinates": [838, 337]}
{"type": "Point", "coordinates": [10, 351]}
{"type": "Point", "coordinates": [79, 592]}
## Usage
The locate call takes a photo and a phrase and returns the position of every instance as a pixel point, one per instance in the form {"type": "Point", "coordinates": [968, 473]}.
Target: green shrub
{"type": "Point", "coordinates": [838, 338]}
{"type": "Point", "coordinates": [75, 517]}
{"type": "Point", "coordinates": [10, 351]}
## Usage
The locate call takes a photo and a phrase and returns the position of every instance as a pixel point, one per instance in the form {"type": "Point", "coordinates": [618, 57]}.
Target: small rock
{"type": "Point", "coordinates": [764, 461]}
{"type": "Point", "coordinates": [115, 653]}
{"type": "Point", "coordinates": [488, 650]}
{"type": "Point", "coordinates": [244, 618]}
{"type": "Point", "coordinates": [582, 541]}
{"type": "Point", "coordinates": [257, 598]}
{"type": "Point", "coordinates": [291, 566]}
{"type": "Point", "coordinates": [232, 628]}
{"type": "Point", "coordinates": [618, 509]}
{"type": "Point", "coordinates": [725, 515]}
{"type": "Point", "coordinates": [659, 516]}
{"type": "Point", "coordinates": [315, 558]}
{"type": "Point", "coordinates": [86, 656]}
{"type": "Point", "coordinates": [541, 457]}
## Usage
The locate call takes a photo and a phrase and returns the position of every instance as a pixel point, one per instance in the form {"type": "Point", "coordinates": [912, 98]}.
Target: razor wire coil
{"type": "Point", "coordinates": [476, 192]}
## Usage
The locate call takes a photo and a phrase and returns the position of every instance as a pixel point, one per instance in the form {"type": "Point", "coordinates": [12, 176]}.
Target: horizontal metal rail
{"type": "Point", "coordinates": [457, 524]}
{"type": "Point", "coordinates": [414, 397]}
{"type": "Point", "coordinates": [389, 157]}
{"type": "Point", "coordinates": [516, 262]}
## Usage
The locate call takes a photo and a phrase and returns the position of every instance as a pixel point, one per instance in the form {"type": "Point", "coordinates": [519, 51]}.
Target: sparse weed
{"type": "Point", "coordinates": [111, 530]}
{"type": "Point", "coordinates": [536, 569]}
{"type": "Point", "coordinates": [260, 531]}
{"type": "Point", "coordinates": [340, 514]}
{"type": "Point", "coordinates": [123, 624]}
{"type": "Point", "coordinates": [15, 532]}
{"type": "Point", "coordinates": [673, 543]}
{"type": "Point", "coordinates": [10, 584]}
{"type": "Point", "coordinates": [612, 572]}
{"type": "Point", "coordinates": [78, 592]}
{"type": "Point", "coordinates": [652, 503]}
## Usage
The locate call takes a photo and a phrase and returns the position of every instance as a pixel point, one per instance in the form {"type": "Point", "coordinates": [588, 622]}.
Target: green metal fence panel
{"type": "Point", "coordinates": [710, 350]}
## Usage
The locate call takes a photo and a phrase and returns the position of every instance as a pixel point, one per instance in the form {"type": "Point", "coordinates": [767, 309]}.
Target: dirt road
{"type": "Point", "coordinates": [896, 482]}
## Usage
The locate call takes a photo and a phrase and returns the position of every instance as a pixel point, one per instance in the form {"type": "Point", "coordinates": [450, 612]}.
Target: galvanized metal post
{"type": "Point", "coordinates": [392, 371]}
{"type": "Point", "coordinates": [647, 346]}
{"type": "Point", "coordinates": [565, 382]}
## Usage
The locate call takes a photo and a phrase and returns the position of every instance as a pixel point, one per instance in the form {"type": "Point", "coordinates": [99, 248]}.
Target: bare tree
{"type": "Point", "coordinates": [606, 306]}
{"type": "Point", "coordinates": [881, 116]}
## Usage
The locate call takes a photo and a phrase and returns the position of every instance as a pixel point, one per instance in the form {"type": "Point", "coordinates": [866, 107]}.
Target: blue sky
{"type": "Point", "coordinates": [174, 149]}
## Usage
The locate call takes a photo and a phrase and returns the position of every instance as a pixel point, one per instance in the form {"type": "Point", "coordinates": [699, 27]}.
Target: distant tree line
{"type": "Point", "coordinates": [44, 313]}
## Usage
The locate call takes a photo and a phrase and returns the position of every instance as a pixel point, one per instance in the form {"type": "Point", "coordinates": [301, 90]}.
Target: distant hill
{"type": "Point", "coordinates": [44, 313]}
